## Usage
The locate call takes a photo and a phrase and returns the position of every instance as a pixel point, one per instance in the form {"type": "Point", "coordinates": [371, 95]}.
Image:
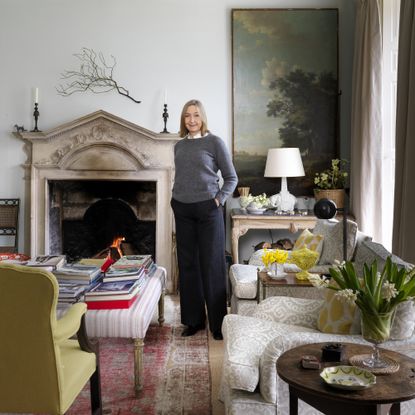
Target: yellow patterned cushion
{"type": "Point", "coordinates": [310, 241]}
{"type": "Point", "coordinates": [337, 317]}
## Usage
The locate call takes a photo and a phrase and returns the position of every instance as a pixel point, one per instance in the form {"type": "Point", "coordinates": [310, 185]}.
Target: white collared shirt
{"type": "Point", "coordinates": [198, 135]}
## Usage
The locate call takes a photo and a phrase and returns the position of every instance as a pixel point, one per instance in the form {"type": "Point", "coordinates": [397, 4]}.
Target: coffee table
{"type": "Point", "coordinates": [264, 281]}
{"type": "Point", "coordinates": [131, 322]}
{"type": "Point", "coordinates": [306, 384]}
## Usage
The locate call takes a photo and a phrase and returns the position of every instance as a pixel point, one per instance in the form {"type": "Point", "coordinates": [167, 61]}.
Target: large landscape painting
{"type": "Point", "coordinates": [285, 92]}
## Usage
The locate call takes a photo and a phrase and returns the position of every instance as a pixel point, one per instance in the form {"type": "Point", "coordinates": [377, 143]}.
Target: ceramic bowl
{"type": "Point", "coordinates": [348, 377]}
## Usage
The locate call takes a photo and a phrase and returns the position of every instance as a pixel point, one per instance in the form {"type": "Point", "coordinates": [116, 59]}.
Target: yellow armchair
{"type": "Point", "coordinates": [42, 370]}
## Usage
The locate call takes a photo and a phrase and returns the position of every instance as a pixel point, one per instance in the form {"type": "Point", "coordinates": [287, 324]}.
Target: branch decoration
{"type": "Point", "coordinates": [94, 74]}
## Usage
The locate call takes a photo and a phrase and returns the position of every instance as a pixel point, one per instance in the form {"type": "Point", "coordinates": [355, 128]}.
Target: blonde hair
{"type": "Point", "coordinates": [183, 130]}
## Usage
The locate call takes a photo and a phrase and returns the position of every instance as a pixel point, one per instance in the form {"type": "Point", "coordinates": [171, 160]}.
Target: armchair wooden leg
{"type": "Point", "coordinates": [95, 385]}
{"type": "Point", "coordinates": [92, 346]}
{"type": "Point", "coordinates": [138, 364]}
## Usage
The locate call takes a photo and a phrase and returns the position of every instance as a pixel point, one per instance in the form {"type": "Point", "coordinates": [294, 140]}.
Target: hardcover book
{"type": "Point", "coordinates": [128, 261]}
{"type": "Point", "coordinates": [123, 274]}
{"type": "Point", "coordinates": [78, 272]}
{"type": "Point", "coordinates": [110, 304]}
{"type": "Point", "coordinates": [49, 262]}
{"type": "Point", "coordinates": [103, 295]}
{"type": "Point", "coordinates": [113, 287]}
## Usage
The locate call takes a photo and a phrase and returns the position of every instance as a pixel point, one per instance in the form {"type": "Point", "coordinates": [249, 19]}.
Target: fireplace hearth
{"type": "Point", "coordinates": [87, 216]}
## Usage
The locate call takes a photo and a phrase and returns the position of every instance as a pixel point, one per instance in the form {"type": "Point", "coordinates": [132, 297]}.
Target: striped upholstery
{"type": "Point", "coordinates": [131, 322]}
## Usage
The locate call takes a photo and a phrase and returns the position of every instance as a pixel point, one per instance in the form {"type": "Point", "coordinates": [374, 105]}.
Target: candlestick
{"type": "Point", "coordinates": [36, 115]}
{"type": "Point", "coordinates": [37, 95]}
{"type": "Point", "coordinates": [165, 115]}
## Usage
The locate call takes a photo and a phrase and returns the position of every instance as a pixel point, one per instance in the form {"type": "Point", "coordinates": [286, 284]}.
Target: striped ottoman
{"type": "Point", "coordinates": [132, 322]}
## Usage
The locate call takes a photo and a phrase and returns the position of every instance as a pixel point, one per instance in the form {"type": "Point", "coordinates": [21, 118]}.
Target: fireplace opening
{"type": "Point", "coordinates": [87, 216]}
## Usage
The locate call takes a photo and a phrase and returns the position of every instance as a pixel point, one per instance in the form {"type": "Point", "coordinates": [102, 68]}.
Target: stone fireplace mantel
{"type": "Point", "coordinates": [100, 146]}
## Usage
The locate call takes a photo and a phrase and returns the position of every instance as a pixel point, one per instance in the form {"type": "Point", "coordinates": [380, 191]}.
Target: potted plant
{"type": "Point", "coordinates": [330, 183]}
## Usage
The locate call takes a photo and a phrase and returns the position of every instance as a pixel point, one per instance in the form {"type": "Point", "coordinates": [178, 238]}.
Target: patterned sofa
{"type": "Point", "coordinates": [253, 343]}
{"type": "Point", "coordinates": [360, 249]}
{"type": "Point", "coordinates": [258, 334]}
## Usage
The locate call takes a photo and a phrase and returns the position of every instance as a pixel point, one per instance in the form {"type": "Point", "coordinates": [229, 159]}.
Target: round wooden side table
{"type": "Point", "coordinates": [306, 384]}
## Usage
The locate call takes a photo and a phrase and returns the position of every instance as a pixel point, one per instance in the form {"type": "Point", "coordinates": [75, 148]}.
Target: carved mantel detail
{"type": "Point", "coordinates": [99, 146]}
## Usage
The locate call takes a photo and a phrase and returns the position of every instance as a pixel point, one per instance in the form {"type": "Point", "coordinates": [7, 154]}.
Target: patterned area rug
{"type": "Point", "coordinates": [176, 375]}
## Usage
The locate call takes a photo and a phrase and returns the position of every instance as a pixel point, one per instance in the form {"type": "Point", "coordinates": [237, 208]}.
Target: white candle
{"type": "Point", "coordinates": [37, 95]}
{"type": "Point", "coordinates": [165, 96]}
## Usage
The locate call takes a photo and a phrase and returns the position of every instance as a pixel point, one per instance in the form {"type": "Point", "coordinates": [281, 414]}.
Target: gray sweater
{"type": "Point", "coordinates": [197, 162]}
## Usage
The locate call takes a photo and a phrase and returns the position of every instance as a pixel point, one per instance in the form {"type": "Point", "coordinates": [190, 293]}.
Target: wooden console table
{"type": "Point", "coordinates": [242, 222]}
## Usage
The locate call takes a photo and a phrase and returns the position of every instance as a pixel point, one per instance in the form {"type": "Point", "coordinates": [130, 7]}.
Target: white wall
{"type": "Point", "coordinates": [181, 45]}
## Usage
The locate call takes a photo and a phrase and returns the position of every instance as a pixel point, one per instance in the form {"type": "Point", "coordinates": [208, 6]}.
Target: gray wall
{"type": "Point", "coordinates": [180, 45]}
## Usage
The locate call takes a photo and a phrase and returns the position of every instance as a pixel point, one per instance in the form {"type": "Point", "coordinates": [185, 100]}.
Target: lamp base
{"type": "Point", "coordinates": [286, 201]}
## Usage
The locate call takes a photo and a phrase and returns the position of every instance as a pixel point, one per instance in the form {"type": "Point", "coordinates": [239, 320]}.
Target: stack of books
{"type": "Point", "coordinates": [121, 283]}
{"type": "Point", "coordinates": [77, 273]}
{"type": "Point", "coordinates": [114, 294]}
{"type": "Point", "coordinates": [47, 262]}
{"type": "Point", "coordinates": [70, 292]}
{"type": "Point", "coordinates": [129, 267]}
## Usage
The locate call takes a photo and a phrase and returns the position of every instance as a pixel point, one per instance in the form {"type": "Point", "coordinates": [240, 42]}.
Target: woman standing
{"type": "Point", "coordinates": [198, 210]}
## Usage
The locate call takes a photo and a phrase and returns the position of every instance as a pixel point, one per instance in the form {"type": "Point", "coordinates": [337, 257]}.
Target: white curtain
{"type": "Point", "coordinates": [404, 216]}
{"type": "Point", "coordinates": [366, 139]}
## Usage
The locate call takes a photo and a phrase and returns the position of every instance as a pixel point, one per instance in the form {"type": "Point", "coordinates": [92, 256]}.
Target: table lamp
{"type": "Point", "coordinates": [284, 162]}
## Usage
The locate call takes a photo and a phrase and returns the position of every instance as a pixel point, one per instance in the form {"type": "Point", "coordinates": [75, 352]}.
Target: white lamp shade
{"type": "Point", "coordinates": [284, 162]}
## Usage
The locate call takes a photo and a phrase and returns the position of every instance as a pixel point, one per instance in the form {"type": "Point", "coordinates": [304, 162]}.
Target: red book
{"type": "Point", "coordinates": [110, 304]}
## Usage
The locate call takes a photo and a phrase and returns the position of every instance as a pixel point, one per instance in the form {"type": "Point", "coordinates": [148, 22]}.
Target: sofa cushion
{"type": "Point", "coordinates": [336, 316]}
{"type": "Point", "coordinates": [244, 280]}
{"type": "Point", "coordinates": [245, 339]}
{"type": "Point", "coordinates": [403, 324]}
{"type": "Point", "coordinates": [297, 311]}
{"type": "Point", "coordinates": [332, 232]}
{"type": "Point", "coordinates": [368, 251]}
{"type": "Point", "coordinates": [256, 258]}
{"type": "Point", "coordinates": [309, 240]}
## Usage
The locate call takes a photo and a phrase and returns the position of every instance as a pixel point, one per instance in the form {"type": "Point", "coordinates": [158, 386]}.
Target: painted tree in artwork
{"type": "Point", "coordinates": [307, 104]}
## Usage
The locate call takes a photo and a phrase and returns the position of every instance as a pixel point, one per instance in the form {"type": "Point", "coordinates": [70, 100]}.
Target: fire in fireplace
{"type": "Point", "coordinates": [88, 216]}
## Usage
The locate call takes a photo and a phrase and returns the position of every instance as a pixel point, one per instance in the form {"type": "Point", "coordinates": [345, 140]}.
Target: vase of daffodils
{"type": "Point", "coordinates": [376, 294]}
{"type": "Point", "coordinates": [274, 261]}
{"type": "Point", "coordinates": [330, 183]}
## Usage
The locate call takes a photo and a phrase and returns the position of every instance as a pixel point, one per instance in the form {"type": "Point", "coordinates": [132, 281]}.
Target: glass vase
{"type": "Point", "coordinates": [276, 270]}
{"type": "Point", "coordinates": [376, 329]}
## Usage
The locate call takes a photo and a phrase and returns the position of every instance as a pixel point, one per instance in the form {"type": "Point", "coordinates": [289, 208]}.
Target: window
{"type": "Point", "coordinates": [389, 83]}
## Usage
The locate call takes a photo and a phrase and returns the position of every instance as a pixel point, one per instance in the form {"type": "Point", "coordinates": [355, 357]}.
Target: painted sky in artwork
{"type": "Point", "coordinates": [269, 44]}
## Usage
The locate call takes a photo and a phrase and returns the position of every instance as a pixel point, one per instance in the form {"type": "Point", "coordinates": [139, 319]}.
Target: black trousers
{"type": "Point", "coordinates": [200, 236]}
